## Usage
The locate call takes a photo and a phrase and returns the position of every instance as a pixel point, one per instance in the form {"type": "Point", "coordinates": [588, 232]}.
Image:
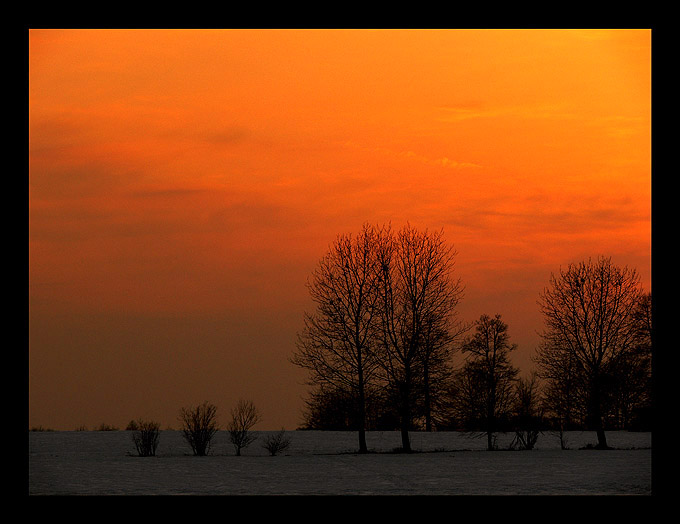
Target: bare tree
{"type": "Point", "coordinates": [469, 404]}
{"type": "Point", "coordinates": [243, 417]}
{"type": "Point", "coordinates": [563, 389]}
{"type": "Point", "coordinates": [631, 393]}
{"type": "Point", "coordinates": [145, 435]}
{"type": "Point", "coordinates": [199, 425]}
{"type": "Point", "coordinates": [276, 443]}
{"type": "Point", "coordinates": [440, 332]}
{"type": "Point", "coordinates": [528, 412]}
{"type": "Point", "coordinates": [589, 311]}
{"type": "Point", "coordinates": [418, 297]}
{"type": "Point", "coordinates": [490, 372]}
{"type": "Point", "coordinates": [337, 344]}
{"type": "Point", "coordinates": [385, 316]}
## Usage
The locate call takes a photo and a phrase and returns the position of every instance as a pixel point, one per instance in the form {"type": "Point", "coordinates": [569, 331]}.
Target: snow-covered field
{"type": "Point", "coordinates": [326, 463]}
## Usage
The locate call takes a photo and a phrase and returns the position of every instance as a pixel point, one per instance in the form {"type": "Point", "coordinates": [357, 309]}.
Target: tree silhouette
{"type": "Point", "coordinates": [488, 377]}
{"type": "Point", "coordinates": [563, 392]}
{"type": "Point", "coordinates": [243, 417]}
{"type": "Point", "coordinates": [528, 412]}
{"type": "Point", "coordinates": [199, 425]}
{"type": "Point", "coordinates": [337, 344]}
{"type": "Point", "coordinates": [418, 297]}
{"type": "Point", "coordinates": [385, 308]}
{"type": "Point", "coordinates": [632, 395]}
{"type": "Point", "coordinates": [590, 315]}
{"type": "Point", "coordinates": [145, 436]}
{"type": "Point", "coordinates": [277, 442]}
{"type": "Point", "coordinates": [440, 332]}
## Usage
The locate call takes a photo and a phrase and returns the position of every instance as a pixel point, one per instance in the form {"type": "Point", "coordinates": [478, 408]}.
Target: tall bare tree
{"type": "Point", "coordinates": [337, 344]}
{"type": "Point", "coordinates": [489, 371]}
{"type": "Point", "coordinates": [589, 311]}
{"type": "Point", "coordinates": [418, 297]}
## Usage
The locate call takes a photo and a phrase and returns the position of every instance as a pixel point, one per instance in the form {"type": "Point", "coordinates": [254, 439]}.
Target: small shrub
{"type": "Point", "coordinates": [40, 428]}
{"type": "Point", "coordinates": [594, 446]}
{"type": "Point", "coordinates": [106, 427]}
{"type": "Point", "coordinates": [276, 443]}
{"type": "Point", "coordinates": [199, 425]}
{"type": "Point", "coordinates": [524, 439]}
{"type": "Point", "coordinates": [146, 437]}
{"type": "Point", "coordinates": [132, 426]}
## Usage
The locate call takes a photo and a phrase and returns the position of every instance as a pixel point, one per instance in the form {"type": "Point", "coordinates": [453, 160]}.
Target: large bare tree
{"type": "Point", "coordinates": [589, 310]}
{"type": "Point", "coordinates": [337, 344]}
{"type": "Point", "coordinates": [418, 298]}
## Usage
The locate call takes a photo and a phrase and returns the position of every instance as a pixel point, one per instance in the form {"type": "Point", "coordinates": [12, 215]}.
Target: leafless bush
{"type": "Point", "coordinates": [243, 417]}
{"type": "Point", "coordinates": [528, 413]}
{"type": "Point", "coordinates": [145, 437]}
{"type": "Point", "coordinates": [199, 425]}
{"type": "Point", "coordinates": [276, 443]}
{"type": "Point", "coordinates": [106, 427]}
{"type": "Point", "coordinates": [40, 428]}
{"type": "Point", "coordinates": [525, 439]}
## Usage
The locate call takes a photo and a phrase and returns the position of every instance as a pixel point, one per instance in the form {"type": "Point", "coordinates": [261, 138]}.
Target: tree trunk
{"type": "Point", "coordinates": [491, 417]}
{"type": "Point", "coordinates": [428, 415]}
{"type": "Point", "coordinates": [362, 419]}
{"type": "Point", "coordinates": [405, 442]}
{"type": "Point", "coordinates": [362, 410]}
{"type": "Point", "coordinates": [362, 440]}
{"type": "Point", "coordinates": [596, 415]}
{"type": "Point", "coordinates": [601, 439]}
{"type": "Point", "coordinates": [405, 418]}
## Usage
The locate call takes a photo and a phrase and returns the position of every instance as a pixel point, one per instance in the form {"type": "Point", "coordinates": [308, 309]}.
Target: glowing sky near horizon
{"type": "Point", "coordinates": [184, 183]}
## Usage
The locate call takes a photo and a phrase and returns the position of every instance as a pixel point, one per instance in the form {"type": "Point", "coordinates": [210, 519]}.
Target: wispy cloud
{"type": "Point", "coordinates": [443, 161]}
{"type": "Point", "coordinates": [469, 112]}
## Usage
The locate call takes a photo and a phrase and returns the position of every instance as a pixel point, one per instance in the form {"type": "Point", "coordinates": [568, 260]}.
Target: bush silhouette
{"type": "Point", "coordinates": [199, 426]}
{"type": "Point", "coordinates": [276, 443]}
{"type": "Point", "coordinates": [146, 436]}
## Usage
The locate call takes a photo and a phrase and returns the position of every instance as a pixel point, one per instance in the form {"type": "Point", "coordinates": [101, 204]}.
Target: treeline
{"type": "Point", "coordinates": [379, 347]}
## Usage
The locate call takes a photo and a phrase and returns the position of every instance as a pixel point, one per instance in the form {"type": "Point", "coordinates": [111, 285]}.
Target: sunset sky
{"type": "Point", "coordinates": [183, 185]}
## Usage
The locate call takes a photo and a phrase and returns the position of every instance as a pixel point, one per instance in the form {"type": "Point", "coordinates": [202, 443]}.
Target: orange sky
{"type": "Point", "coordinates": [183, 185]}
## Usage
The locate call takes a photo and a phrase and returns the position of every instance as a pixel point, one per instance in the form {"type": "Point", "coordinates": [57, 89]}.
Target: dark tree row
{"type": "Point", "coordinates": [379, 346]}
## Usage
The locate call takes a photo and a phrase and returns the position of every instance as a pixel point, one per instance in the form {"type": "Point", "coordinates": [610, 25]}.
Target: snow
{"type": "Point", "coordinates": [326, 463]}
